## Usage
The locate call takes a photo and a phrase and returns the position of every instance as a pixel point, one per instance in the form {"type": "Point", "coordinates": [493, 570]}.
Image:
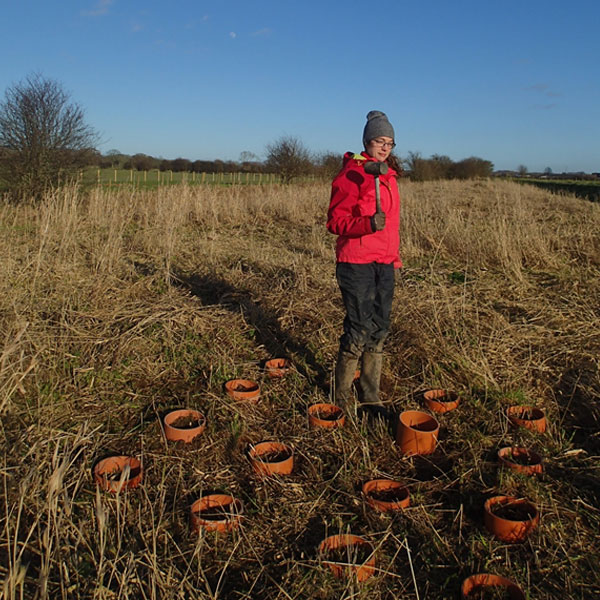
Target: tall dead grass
{"type": "Point", "coordinates": [118, 304]}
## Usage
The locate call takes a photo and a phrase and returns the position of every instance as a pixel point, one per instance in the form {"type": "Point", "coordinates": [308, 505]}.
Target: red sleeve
{"type": "Point", "coordinates": [343, 217]}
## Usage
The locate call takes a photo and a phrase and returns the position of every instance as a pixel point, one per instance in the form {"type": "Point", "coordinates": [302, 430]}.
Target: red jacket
{"type": "Point", "coordinates": [350, 210]}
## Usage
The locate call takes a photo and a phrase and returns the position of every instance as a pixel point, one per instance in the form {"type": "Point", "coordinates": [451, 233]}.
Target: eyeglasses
{"type": "Point", "coordinates": [383, 144]}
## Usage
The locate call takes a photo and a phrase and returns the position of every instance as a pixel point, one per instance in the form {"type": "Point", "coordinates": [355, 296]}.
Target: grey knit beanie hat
{"type": "Point", "coordinates": [377, 125]}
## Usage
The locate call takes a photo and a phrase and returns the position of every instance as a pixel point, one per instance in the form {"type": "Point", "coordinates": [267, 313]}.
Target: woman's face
{"type": "Point", "coordinates": [380, 148]}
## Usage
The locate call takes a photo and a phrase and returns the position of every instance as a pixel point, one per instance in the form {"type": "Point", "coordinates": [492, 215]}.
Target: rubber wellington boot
{"type": "Point", "coordinates": [345, 368]}
{"type": "Point", "coordinates": [370, 376]}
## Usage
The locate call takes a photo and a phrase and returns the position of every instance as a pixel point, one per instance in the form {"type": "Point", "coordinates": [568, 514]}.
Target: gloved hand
{"type": "Point", "coordinates": [378, 221]}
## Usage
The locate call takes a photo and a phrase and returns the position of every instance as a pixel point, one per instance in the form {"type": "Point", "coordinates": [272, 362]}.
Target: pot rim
{"type": "Point", "coordinates": [363, 570]}
{"type": "Point", "coordinates": [496, 500]}
{"type": "Point", "coordinates": [424, 418]}
{"type": "Point", "coordinates": [231, 519]}
{"type": "Point", "coordinates": [441, 400]}
{"type": "Point", "coordinates": [278, 366]}
{"type": "Point", "coordinates": [176, 434]}
{"type": "Point", "coordinates": [535, 467]}
{"type": "Point", "coordinates": [252, 392]}
{"type": "Point", "coordinates": [478, 580]}
{"type": "Point", "coordinates": [255, 454]}
{"type": "Point", "coordinates": [120, 461]}
{"type": "Point", "coordinates": [326, 423]}
{"type": "Point", "coordinates": [372, 485]}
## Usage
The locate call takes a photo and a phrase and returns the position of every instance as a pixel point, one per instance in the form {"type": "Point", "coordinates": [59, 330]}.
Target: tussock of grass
{"type": "Point", "coordinates": [118, 306]}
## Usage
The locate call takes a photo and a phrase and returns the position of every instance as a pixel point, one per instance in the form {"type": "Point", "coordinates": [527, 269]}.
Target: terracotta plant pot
{"type": "Point", "coordinates": [441, 401]}
{"type": "Point", "coordinates": [520, 460]}
{"type": "Point", "coordinates": [510, 519]}
{"type": "Point", "coordinates": [216, 512]}
{"type": "Point", "coordinates": [326, 415]}
{"type": "Point", "coordinates": [183, 425]}
{"type": "Point", "coordinates": [278, 367]}
{"type": "Point", "coordinates": [529, 417]}
{"type": "Point", "coordinates": [348, 555]}
{"type": "Point", "coordinates": [109, 471]}
{"type": "Point", "coordinates": [473, 586]}
{"type": "Point", "coordinates": [243, 389]}
{"type": "Point", "coordinates": [386, 495]}
{"type": "Point", "coordinates": [417, 433]}
{"type": "Point", "coordinates": [271, 458]}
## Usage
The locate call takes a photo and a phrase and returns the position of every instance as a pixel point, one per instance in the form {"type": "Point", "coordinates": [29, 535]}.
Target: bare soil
{"type": "Point", "coordinates": [186, 422]}
{"type": "Point", "coordinates": [513, 511]}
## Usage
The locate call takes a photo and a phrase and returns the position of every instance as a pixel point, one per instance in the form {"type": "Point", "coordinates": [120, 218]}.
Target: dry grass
{"type": "Point", "coordinates": [117, 307]}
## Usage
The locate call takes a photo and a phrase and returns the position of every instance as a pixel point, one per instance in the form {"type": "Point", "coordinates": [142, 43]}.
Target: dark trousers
{"type": "Point", "coordinates": [367, 293]}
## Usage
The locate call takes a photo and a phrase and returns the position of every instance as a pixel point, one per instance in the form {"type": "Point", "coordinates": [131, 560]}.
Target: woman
{"type": "Point", "coordinates": [367, 253]}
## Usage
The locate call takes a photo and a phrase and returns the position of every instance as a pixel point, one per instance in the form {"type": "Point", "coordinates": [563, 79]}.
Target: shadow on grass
{"type": "Point", "coordinates": [212, 290]}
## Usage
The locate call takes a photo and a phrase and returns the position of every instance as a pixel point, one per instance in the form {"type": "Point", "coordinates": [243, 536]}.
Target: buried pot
{"type": "Point", "coordinates": [116, 473]}
{"type": "Point", "coordinates": [216, 512]}
{"type": "Point", "coordinates": [243, 389]}
{"type": "Point", "coordinates": [386, 495]}
{"type": "Point", "coordinates": [441, 401]}
{"type": "Point", "coordinates": [530, 417]}
{"type": "Point", "coordinates": [510, 519]}
{"type": "Point", "coordinates": [348, 555]}
{"type": "Point", "coordinates": [271, 458]}
{"type": "Point", "coordinates": [183, 425]}
{"type": "Point", "coordinates": [417, 433]}
{"type": "Point", "coordinates": [325, 415]}
{"type": "Point", "coordinates": [520, 460]}
{"type": "Point", "coordinates": [278, 367]}
{"type": "Point", "coordinates": [476, 586]}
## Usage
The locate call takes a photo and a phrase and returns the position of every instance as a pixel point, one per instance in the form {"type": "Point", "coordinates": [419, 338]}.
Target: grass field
{"type": "Point", "coordinates": [119, 305]}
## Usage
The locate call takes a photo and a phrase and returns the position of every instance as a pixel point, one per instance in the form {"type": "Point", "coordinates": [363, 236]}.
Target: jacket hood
{"type": "Point", "coordinates": [353, 159]}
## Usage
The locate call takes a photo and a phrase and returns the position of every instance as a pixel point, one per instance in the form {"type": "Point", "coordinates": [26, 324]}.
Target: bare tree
{"type": "Point", "coordinates": [328, 164]}
{"type": "Point", "coordinates": [289, 158]}
{"type": "Point", "coordinates": [44, 136]}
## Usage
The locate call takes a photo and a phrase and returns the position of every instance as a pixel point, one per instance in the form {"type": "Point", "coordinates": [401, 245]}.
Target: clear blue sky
{"type": "Point", "coordinates": [514, 82]}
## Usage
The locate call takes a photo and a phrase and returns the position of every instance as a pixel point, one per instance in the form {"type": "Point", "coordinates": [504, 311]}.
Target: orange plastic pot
{"type": "Point", "coordinates": [529, 417]}
{"type": "Point", "coordinates": [441, 401]}
{"type": "Point", "coordinates": [473, 586]}
{"type": "Point", "coordinates": [510, 519]}
{"type": "Point", "coordinates": [326, 415]}
{"type": "Point", "coordinates": [349, 556]}
{"type": "Point", "coordinates": [216, 512]}
{"type": "Point", "coordinates": [271, 458]}
{"type": "Point", "coordinates": [116, 473]}
{"type": "Point", "coordinates": [176, 431]}
{"type": "Point", "coordinates": [386, 495]}
{"type": "Point", "coordinates": [245, 390]}
{"type": "Point", "coordinates": [278, 367]}
{"type": "Point", "coordinates": [520, 460]}
{"type": "Point", "coordinates": [417, 433]}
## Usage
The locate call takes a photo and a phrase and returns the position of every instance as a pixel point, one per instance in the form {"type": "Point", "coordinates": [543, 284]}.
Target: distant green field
{"type": "Point", "coordinates": [589, 190]}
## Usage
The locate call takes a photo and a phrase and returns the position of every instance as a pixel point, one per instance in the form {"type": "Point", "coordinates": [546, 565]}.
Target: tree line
{"type": "Point", "coordinates": [45, 140]}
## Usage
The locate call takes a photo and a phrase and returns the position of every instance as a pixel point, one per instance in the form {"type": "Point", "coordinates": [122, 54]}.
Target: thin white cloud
{"type": "Point", "coordinates": [232, 35]}
{"type": "Point", "coordinates": [537, 87]}
{"type": "Point", "coordinates": [136, 27]}
{"type": "Point", "coordinates": [544, 106]}
{"type": "Point", "coordinates": [99, 10]}
{"type": "Point", "coordinates": [543, 88]}
{"type": "Point", "coordinates": [264, 31]}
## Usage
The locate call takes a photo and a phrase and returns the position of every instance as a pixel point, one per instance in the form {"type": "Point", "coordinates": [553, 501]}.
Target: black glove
{"type": "Point", "coordinates": [378, 221]}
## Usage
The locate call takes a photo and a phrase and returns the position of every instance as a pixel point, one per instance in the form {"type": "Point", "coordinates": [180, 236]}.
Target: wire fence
{"type": "Point", "coordinates": [156, 177]}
